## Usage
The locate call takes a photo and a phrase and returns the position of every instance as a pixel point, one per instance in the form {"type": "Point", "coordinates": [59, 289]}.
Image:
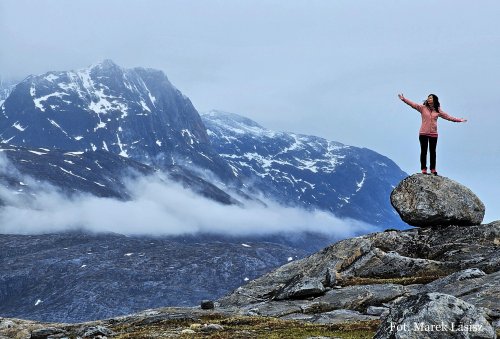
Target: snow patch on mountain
{"type": "Point", "coordinates": [39, 101]}
{"type": "Point", "coordinates": [18, 126]}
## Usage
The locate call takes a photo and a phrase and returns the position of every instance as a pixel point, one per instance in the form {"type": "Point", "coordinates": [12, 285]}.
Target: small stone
{"type": "Point", "coordinates": [63, 336]}
{"type": "Point", "coordinates": [301, 289]}
{"type": "Point", "coordinates": [316, 307]}
{"type": "Point", "coordinates": [46, 332]}
{"type": "Point", "coordinates": [207, 305]}
{"type": "Point", "coordinates": [195, 326]}
{"type": "Point", "coordinates": [377, 310]}
{"type": "Point", "coordinates": [331, 277]}
{"type": "Point", "coordinates": [188, 331]}
{"type": "Point", "coordinates": [6, 324]}
{"type": "Point", "coordinates": [212, 328]}
{"type": "Point", "coordinates": [92, 332]}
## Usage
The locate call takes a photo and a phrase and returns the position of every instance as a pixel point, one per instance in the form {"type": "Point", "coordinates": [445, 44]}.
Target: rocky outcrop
{"type": "Point", "coordinates": [428, 200]}
{"type": "Point", "coordinates": [425, 282]}
{"type": "Point", "coordinates": [434, 315]}
{"type": "Point", "coordinates": [419, 255]}
{"type": "Point", "coordinates": [375, 274]}
{"type": "Point", "coordinates": [365, 276]}
{"type": "Point", "coordinates": [346, 308]}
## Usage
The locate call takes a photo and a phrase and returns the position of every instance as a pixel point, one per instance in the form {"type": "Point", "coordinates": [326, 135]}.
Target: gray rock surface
{"type": "Point", "coordinates": [92, 331]}
{"type": "Point", "coordinates": [380, 262]}
{"type": "Point", "coordinates": [428, 200]}
{"type": "Point", "coordinates": [377, 310]}
{"type": "Point", "coordinates": [434, 315]}
{"type": "Point", "coordinates": [366, 275]}
{"type": "Point", "coordinates": [43, 333]}
{"type": "Point", "coordinates": [303, 288]}
{"type": "Point", "coordinates": [359, 297]}
{"type": "Point", "coordinates": [479, 290]}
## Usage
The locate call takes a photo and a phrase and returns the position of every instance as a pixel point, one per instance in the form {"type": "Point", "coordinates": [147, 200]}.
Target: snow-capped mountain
{"type": "Point", "coordinates": [136, 113]}
{"type": "Point", "coordinates": [306, 170]}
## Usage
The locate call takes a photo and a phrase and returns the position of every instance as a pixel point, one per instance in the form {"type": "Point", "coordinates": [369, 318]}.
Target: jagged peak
{"type": "Point", "coordinates": [105, 64]}
{"type": "Point", "coordinates": [240, 124]}
{"type": "Point", "coordinates": [108, 64]}
{"type": "Point", "coordinates": [142, 72]}
{"type": "Point", "coordinates": [148, 70]}
{"type": "Point", "coordinates": [231, 118]}
{"type": "Point", "coordinates": [153, 73]}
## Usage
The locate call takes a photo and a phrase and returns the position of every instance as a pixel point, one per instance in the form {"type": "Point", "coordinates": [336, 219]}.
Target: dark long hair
{"type": "Point", "coordinates": [435, 101]}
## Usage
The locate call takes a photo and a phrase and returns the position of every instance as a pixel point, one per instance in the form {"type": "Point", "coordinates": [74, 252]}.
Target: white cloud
{"type": "Point", "coordinates": [157, 207]}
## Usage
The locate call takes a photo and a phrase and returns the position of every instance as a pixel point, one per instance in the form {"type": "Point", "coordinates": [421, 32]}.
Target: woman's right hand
{"type": "Point", "coordinates": [401, 96]}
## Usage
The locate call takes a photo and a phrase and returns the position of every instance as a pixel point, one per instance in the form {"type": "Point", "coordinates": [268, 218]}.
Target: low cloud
{"type": "Point", "coordinates": [156, 207]}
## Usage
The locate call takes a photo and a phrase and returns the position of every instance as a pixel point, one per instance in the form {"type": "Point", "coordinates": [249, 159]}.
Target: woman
{"type": "Point", "coordinates": [428, 135]}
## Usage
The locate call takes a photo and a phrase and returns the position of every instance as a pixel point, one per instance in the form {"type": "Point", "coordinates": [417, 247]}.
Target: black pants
{"type": "Point", "coordinates": [432, 142]}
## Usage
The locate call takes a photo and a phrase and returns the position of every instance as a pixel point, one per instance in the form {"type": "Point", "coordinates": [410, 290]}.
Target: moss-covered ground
{"type": "Point", "coordinates": [247, 327]}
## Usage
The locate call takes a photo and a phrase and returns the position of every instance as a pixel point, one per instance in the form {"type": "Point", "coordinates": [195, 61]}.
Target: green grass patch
{"type": "Point", "coordinates": [241, 327]}
{"type": "Point", "coordinates": [399, 280]}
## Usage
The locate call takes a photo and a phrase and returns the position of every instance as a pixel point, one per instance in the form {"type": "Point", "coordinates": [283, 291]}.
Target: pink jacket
{"type": "Point", "coordinates": [429, 118]}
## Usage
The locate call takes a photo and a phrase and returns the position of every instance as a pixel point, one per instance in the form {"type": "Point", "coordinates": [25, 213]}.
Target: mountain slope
{"type": "Point", "coordinates": [73, 277]}
{"type": "Point", "coordinates": [307, 171]}
{"type": "Point", "coordinates": [135, 113]}
{"type": "Point", "coordinates": [23, 171]}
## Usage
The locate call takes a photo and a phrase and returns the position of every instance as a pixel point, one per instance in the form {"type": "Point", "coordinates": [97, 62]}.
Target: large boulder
{"type": "Point", "coordinates": [429, 200]}
{"type": "Point", "coordinates": [434, 315]}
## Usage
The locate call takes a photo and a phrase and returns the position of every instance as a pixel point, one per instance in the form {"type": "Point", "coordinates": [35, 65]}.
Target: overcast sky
{"type": "Point", "coordinates": [327, 68]}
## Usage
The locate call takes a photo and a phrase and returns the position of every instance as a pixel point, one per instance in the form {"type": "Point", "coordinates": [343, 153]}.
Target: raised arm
{"type": "Point", "coordinates": [446, 116]}
{"type": "Point", "coordinates": [410, 103]}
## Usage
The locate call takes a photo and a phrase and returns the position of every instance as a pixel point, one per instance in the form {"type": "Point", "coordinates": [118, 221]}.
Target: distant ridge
{"type": "Point", "coordinates": [307, 171]}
